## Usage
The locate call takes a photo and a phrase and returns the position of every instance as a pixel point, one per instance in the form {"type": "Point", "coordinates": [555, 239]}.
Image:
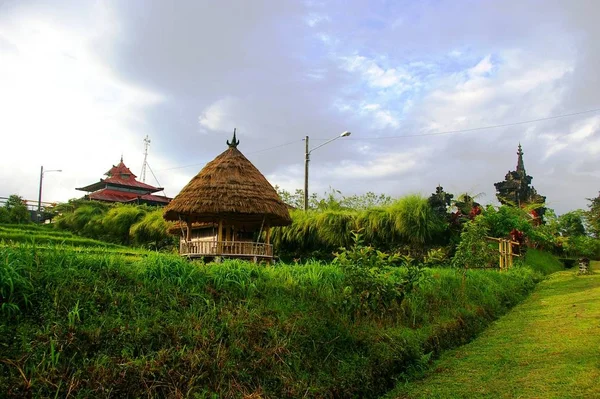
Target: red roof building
{"type": "Point", "coordinates": [121, 186]}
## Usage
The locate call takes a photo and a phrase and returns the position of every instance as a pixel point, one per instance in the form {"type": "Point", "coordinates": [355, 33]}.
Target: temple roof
{"type": "Point", "coordinates": [110, 195]}
{"type": "Point", "coordinates": [119, 170]}
{"type": "Point", "coordinates": [120, 176]}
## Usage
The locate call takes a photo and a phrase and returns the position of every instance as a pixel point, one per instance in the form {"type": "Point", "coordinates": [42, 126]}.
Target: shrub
{"type": "Point", "coordinates": [152, 231]}
{"type": "Point", "coordinates": [474, 251]}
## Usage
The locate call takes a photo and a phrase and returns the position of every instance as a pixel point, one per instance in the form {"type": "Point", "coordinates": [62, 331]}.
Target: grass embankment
{"type": "Point", "coordinates": [546, 347]}
{"type": "Point", "coordinates": [90, 325]}
{"type": "Point", "coordinates": [46, 237]}
{"type": "Point", "coordinates": [42, 235]}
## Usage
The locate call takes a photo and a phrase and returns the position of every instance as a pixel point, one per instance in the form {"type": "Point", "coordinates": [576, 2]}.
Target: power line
{"type": "Point", "coordinates": [414, 135]}
{"type": "Point", "coordinates": [277, 146]}
{"type": "Point", "coordinates": [483, 127]}
{"type": "Point", "coordinates": [249, 153]}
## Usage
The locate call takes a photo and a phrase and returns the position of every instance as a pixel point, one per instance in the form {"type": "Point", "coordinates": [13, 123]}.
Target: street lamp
{"type": "Point", "coordinates": [39, 212]}
{"type": "Point", "coordinates": [307, 153]}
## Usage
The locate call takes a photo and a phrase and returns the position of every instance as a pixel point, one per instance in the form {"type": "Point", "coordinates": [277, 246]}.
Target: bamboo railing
{"type": "Point", "coordinates": [225, 248]}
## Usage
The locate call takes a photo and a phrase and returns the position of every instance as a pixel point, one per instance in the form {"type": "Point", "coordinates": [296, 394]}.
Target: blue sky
{"type": "Point", "coordinates": [83, 82]}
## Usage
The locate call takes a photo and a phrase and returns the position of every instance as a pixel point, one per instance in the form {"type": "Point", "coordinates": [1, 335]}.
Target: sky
{"type": "Point", "coordinates": [83, 82]}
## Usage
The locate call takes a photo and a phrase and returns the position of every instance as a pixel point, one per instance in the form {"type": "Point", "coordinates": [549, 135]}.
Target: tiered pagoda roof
{"type": "Point", "coordinates": [121, 186]}
{"type": "Point", "coordinates": [516, 189]}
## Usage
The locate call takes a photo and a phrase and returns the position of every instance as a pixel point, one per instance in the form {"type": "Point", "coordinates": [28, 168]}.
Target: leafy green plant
{"type": "Point", "coordinates": [474, 251]}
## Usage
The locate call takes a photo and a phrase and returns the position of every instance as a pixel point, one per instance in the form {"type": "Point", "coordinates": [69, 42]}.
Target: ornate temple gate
{"type": "Point", "coordinates": [505, 250]}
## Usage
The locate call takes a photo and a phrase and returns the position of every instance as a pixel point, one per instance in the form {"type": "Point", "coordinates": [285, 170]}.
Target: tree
{"type": "Point", "coordinates": [16, 210]}
{"type": "Point", "coordinates": [593, 216]}
{"type": "Point", "coordinates": [571, 224]}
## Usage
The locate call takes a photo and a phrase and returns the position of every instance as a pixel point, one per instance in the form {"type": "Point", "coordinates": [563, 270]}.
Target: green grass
{"type": "Point", "coordinates": [41, 235]}
{"type": "Point", "coordinates": [546, 347]}
{"type": "Point", "coordinates": [543, 262]}
{"type": "Point", "coordinates": [104, 324]}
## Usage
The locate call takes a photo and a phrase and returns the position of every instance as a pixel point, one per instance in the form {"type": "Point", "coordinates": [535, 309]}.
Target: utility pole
{"type": "Point", "coordinates": [146, 146]}
{"type": "Point", "coordinates": [39, 212]}
{"type": "Point", "coordinates": [306, 160]}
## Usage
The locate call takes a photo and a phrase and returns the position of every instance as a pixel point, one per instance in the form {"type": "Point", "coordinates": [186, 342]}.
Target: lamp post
{"type": "Point", "coordinates": [39, 212]}
{"type": "Point", "coordinates": [307, 153]}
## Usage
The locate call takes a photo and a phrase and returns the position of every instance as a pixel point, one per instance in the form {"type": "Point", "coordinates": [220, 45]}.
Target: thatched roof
{"type": "Point", "coordinates": [229, 188]}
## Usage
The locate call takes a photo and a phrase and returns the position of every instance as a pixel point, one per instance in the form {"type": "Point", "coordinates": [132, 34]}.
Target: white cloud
{"type": "Point", "coordinates": [484, 66]}
{"type": "Point", "coordinates": [63, 107]}
{"type": "Point", "coordinates": [220, 115]}
{"type": "Point", "coordinates": [376, 76]}
{"type": "Point", "coordinates": [382, 118]}
{"type": "Point", "coordinates": [379, 166]}
{"type": "Point", "coordinates": [314, 19]}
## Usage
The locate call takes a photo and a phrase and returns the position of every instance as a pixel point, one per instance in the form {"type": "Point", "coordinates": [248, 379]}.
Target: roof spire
{"type": "Point", "coordinates": [234, 143]}
{"type": "Point", "coordinates": [121, 157]}
{"type": "Point", "coordinates": [520, 164]}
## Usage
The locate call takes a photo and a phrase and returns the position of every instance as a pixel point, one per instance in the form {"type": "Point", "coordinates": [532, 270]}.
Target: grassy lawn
{"type": "Point", "coordinates": [546, 347]}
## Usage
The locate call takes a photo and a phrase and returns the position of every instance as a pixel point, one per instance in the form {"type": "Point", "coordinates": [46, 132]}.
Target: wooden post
{"type": "Point", "coordinates": [510, 254]}
{"type": "Point", "coordinates": [220, 237]}
{"type": "Point", "coordinates": [501, 261]}
{"type": "Point", "coordinates": [268, 238]}
{"type": "Point", "coordinates": [188, 235]}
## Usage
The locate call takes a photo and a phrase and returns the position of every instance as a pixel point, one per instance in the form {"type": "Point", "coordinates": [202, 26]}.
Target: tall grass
{"type": "Point", "coordinates": [159, 326]}
{"type": "Point", "coordinates": [409, 221]}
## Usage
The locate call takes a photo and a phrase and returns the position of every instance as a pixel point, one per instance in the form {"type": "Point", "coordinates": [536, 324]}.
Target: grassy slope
{"type": "Point", "coordinates": [42, 235]}
{"type": "Point", "coordinates": [159, 326]}
{"type": "Point", "coordinates": [547, 347]}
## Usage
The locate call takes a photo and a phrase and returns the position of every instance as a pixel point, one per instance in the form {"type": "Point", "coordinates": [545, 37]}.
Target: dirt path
{"type": "Point", "coordinates": [547, 347]}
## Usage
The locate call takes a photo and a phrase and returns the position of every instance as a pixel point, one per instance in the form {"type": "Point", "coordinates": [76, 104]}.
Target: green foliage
{"type": "Point", "coordinates": [580, 246]}
{"type": "Point", "coordinates": [501, 221]}
{"type": "Point", "coordinates": [571, 224]}
{"type": "Point", "coordinates": [474, 251]}
{"type": "Point", "coordinates": [593, 216]}
{"type": "Point", "coordinates": [15, 211]}
{"type": "Point", "coordinates": [83, 217]}
{"type": "Point", "coordinates": [118, 222]}
{"type": "Point", "coordinates": [152, 231]}
{"type": "Point", "coordinates": [4, 215]}
{"type": "Point", "coordinates": [157, 325]}
{"type": "Point", "coordinates": [415, 221]}
{"type": "Point", "coordinates": [360, 256]}
{"type": "Point", "coordinates": [542, 262]}
{"type": "Point", "coordinates": [334, 200]}
{"type": "Point", "coordinates": [15, 287]}
{"type": "Point", "coordinates": [408, 223]}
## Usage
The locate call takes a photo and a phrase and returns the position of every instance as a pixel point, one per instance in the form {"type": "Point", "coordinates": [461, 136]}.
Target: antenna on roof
{"type": "Point", "coordinates": [146, 146]}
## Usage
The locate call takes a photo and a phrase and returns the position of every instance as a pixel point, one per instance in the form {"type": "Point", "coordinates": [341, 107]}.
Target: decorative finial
{"type": "Point", "coordinates": [121, 158]}
{"type": "Point", "coordinates": [234, 143]}
{"type": "Point", "coordinates": [520, 164]}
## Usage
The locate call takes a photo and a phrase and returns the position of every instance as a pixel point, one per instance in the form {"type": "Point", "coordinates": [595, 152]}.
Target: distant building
{"type": "Point", "coordinates": [516, 189]}
{"type": "Point", "coordinates": [121, 186]}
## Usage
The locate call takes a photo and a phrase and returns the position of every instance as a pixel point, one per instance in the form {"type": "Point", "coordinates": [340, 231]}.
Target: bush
{"type": "Point", "coordinates": [474, 251]}
{"type": "Point", "coordinates": [152, 231]}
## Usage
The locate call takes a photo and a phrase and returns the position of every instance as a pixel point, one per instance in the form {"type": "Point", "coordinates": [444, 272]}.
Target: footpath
{"type": "Point", "coordinates": [546, 347]}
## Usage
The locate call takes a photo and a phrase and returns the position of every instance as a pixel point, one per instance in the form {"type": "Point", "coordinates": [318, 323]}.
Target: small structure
{"type": "Point", "coordinates": [515, 190]}
{"type": "Point", "coordinates": [584, 265]}
{"type": "Point", "coordinates": [121, 186]}
{"type": "Point", "coordinates": [225, 209]}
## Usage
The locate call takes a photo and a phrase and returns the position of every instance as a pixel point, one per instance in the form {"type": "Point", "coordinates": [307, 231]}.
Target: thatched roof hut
{"type": "Point", "coordinates": [229, 191]}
